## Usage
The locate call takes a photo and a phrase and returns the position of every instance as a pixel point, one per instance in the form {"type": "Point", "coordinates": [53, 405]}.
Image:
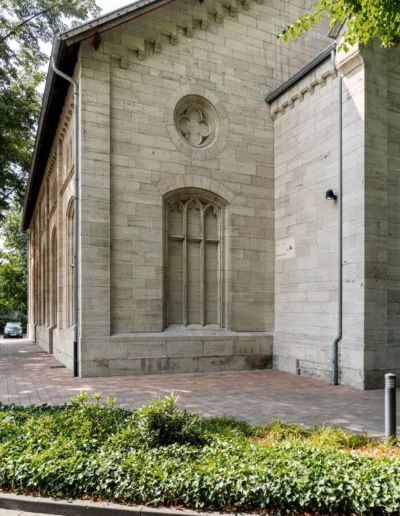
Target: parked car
{"type": "Point", "coordinates": [12, 329]}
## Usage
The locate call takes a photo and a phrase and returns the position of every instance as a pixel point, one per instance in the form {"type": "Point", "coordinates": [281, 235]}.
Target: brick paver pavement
{"type": "Point", "coordinates": [28, 375]}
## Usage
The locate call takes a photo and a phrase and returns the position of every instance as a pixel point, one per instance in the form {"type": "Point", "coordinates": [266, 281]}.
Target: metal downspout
{"type": "Point", "coordinates": [76, 203]}
{"type": "Point", "coordinates": [335, 344]}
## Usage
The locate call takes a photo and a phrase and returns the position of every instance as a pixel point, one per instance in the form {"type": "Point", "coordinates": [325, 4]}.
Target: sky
{"type": "Point", "coordinates": [106, 6]}
{"type": "Point", "coordinates": [111, 5]}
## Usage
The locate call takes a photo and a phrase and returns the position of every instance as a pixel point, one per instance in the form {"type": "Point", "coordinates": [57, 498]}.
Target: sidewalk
{"type": "Point", "coordinates": [29, 376]}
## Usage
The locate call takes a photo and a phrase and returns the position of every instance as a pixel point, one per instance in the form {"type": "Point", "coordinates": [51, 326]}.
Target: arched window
{"type": "Point", "coordinates": [54, 272]}
{"type": "Point", "coordinates": [34, 289]}
{"type": "Point", "coordinates": [70, 261]}
{"type": "Point", "coordinates": [43, 285]}
{"type": "Point", "coordinates": [194, 278]}
{"type": "Point", "coordinates": [53, 186]}
{"type": "Point", "coordinates": [36, 272]}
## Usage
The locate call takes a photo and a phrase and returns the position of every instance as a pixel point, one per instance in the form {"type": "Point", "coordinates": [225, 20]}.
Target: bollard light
{"type": "Point", "coordinates": [390, 405]}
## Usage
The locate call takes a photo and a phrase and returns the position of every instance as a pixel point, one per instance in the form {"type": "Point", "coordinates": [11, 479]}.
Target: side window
{"type": "Point", "coordinates": [69, 262]}
{"type": "Point", "coordinates": [194, 280]}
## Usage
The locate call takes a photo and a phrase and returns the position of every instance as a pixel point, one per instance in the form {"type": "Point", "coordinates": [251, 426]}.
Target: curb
{"type": "Point", "coordinates": [61, 507]}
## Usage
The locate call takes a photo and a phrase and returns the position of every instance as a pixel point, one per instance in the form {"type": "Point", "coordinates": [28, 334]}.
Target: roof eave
{"type": "Point", "coordinates": [110, 20]}
{"type": "Point", "coordinates": [43, 115]}
{"type": "Point", "coordinates": [69, 39]}
{"type": "Point", "coordinates": [300, 74]}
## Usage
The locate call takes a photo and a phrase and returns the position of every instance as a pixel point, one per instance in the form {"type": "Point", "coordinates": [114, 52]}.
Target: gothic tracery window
{"type": "Point", "coordinates": [53, 188]}
{"type": "Point", "coordinates": [54, 273]}
{"type": "Point", "coordinates": [194, 126]}
{"type": "Point", "coordinates": [70, 263]}
{"type": "Point", "coordinates": [68, 156]}
{"type": "Point", "coordinates": [34, 280]}
{"type": "Point", "coordinates": [194, 279]}
{"type": "Point", "coordinates": [43, 285]}
{"type": "Point", "coordinates": [196, 120]}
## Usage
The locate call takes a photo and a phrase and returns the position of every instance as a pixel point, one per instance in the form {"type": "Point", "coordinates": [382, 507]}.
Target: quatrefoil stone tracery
{"type": "Point", "coordinates": [194, 126]}
{"type": "Point", "coordinates": [197, 122]}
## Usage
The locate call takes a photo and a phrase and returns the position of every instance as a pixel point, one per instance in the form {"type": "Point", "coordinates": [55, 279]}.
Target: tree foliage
{"type": "Point", "coordinates": [19, 110]}
{"type": "Point", "coordinates": [13, 267]}
{"type": "Point", "coordinates": [25, 25]}
{"type": "Point", "coordinates": [365, 20]}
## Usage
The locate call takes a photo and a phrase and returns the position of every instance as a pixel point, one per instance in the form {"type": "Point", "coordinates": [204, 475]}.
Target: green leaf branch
{"type": "Point", "coordinates": [365, 20]}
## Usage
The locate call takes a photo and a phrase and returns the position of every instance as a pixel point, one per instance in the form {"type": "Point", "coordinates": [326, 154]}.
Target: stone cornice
{"type": "Point", "coordinates": [305, 87]}
{"type": "Point", "coordinates": [347, 61]}
{"type": "Point", "coordinates": [147, 40]}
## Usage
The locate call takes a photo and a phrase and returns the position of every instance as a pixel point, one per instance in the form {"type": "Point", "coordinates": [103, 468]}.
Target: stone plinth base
{"type": "Point", "coordinates": [176, 351]}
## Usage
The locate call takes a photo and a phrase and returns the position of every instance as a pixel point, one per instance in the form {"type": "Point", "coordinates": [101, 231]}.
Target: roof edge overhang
{"type": "Point", "coordinates": [31, 194]}
{"type": "Point", "coordinates": [110, 20]}
{"type": "Point", "coordinates": [65, 52]}
{"type": "Point", "coordinates": [326, 54]}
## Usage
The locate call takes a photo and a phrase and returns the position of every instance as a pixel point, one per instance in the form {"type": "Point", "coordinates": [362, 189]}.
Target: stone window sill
{"type": "Point", "coordinates": [190, 332]}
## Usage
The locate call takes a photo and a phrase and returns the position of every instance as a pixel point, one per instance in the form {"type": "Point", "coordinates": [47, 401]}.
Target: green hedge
{"type": "Point", "coordinates": [161, 455]}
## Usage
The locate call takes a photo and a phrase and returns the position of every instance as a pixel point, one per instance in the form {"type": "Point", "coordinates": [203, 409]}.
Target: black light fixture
{"type": "Point", "coordinates": [96, 41]}
{"type": "Point", "coordinates": [330, 196]}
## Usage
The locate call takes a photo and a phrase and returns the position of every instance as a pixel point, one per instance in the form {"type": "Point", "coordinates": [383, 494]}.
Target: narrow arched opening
{"type": "Point", "coordinates": [70, 262]}
{"type": "Point", "coordinates": [194, 259]}
{"type": "Point", "coordinates": [54, 279]}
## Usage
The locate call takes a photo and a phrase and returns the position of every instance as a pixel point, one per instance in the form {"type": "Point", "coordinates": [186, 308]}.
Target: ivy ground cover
{"type": "Point", "coordinates": [161, 455]}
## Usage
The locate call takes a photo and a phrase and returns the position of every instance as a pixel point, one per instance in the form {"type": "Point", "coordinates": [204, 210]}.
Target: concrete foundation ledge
{"type": "Point", "coordinates": [59, 507]}
{"type": "Point", "coordinates": [173, 352]}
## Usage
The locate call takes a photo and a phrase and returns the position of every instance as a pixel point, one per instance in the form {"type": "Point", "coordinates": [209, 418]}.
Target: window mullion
{"type": "Point", "coordinates": [166, 264]}
{"type": "Point", "coordinates": [202, 304]}
{"type": "Point", "coordinates": [220, 265]}
{"type": "Point", "coordinates": [184, 268]}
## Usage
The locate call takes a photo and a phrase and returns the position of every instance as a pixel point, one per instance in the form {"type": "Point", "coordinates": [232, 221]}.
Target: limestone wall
{"type": "Point", "coordinates": [174, 129]}
{"type": "Point", "coordinates": [352, 347]}
{"type": "Point", "coordinates": [132, 156]}
{"type": "Point", "coordinates": [305, 129]}
{"type": "Point", "coordinates": [305, 167]}
{"type": "Point", "coordinates": [133, 160]}
{"type": "Point", "coordinates": [170, 352]}
{"type": "Point", "coordinates": [391, 357]}
{"type": "Point", "coordinates": [50, 272]}
{"type": "Point", "coordinates": [382, 125]}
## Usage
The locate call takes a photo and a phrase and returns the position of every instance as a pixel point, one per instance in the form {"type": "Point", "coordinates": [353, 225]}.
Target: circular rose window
{"type": "Point", "coordinates": [196, 121]}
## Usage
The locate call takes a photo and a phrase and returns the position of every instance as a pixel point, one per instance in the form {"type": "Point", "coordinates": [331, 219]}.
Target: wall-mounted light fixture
{"type": "Point", "coordinates": [330, 196]}
{"type": "Point", "coordinates": [96, 41]}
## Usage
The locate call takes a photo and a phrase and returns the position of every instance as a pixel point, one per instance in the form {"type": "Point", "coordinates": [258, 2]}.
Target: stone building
{"type": "Point", "coordinates": [206, 243]}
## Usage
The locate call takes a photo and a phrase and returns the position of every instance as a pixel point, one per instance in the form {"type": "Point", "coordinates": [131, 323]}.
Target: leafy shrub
{"type": "Point", "coordinates": [161, 423]}
{"type": "Point", "coordinates": [163, 455]}
{"type": "Point", "coordinates": [279, 431]}
{"type": "Point", "coordinates": [229, 426]}
{"type": "Point", "coordinates": [96, 420]}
